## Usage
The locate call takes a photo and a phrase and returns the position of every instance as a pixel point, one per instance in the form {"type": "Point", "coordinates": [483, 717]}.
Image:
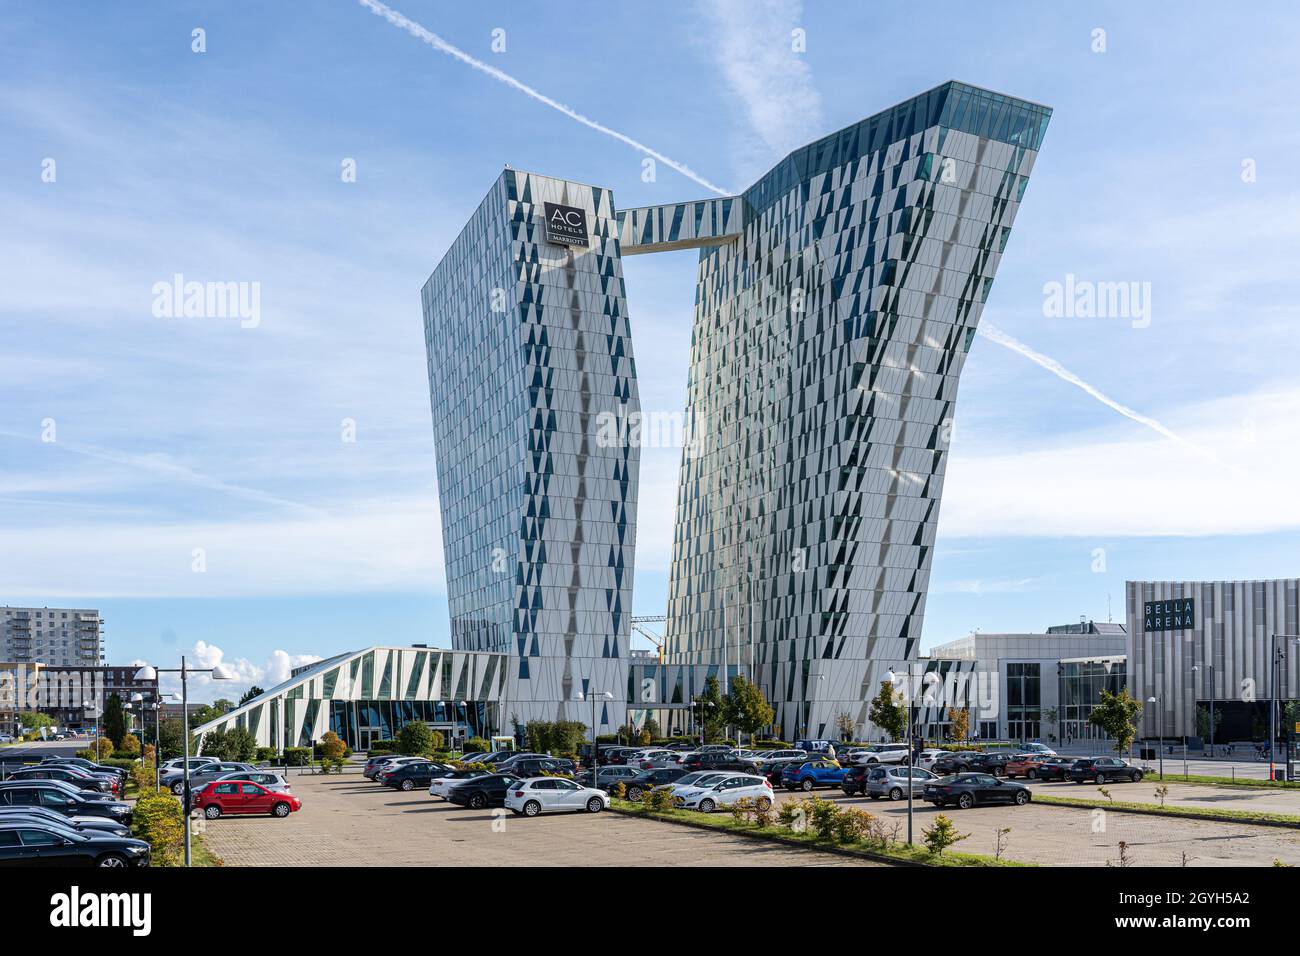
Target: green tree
{"type": "Point", "coordinates": [888, 712]}
{"type": "Point", "coordinates": [958, 723]}
{"type": "Point", "coordinates": [216, 743]}
{"type": "Point", "coordinates": [130, 745]}
{"type": "Point", "coordinates": [567, 736]}
{"type": "Point", "coordinates": [415, 739]}
{"type": "Point", "coordinates": [240, 745]}
{"type": "Point", "coordinates": [746, 708]}
{"type": "Point", "coordinates": [249, 694]}
{"type": "Point", "coordinates": [538, 735]}
{"type": "Point", "coordinates": [1203, 723]}
{"type": "Point", "coordinates": [651, 727]}
{"type": "Point", "coordinates": [942, 835]}
{"type": "Point", "coordinates": [113, 723]}
{"type": "Point", "coordinates": [35, 720]}
{"type": "Point", "coordinates": [711, 712]}
{"type": "Point", "coordinates": [172, 738]}
{"type": "Point", "coordinates": [1117, 715]}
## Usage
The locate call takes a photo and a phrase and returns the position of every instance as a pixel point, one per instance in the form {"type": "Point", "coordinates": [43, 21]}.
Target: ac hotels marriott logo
{"type": "Point", "coordinates": [565, 224]}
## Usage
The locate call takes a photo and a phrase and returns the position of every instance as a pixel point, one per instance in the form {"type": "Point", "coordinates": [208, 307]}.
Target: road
{"type": "Point", "coordinates": [12, 756]}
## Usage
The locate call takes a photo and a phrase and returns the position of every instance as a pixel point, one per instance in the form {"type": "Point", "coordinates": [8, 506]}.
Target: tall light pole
{"type": "Point", "coordinates": [155, 706]}
{"type": "Point", "coordinates": [92, 705]}
{"type": "Point", "coordinates": [1160, 745]}
{"type": "Point", "coordinates": [148, 674]}
{"type": "Point", "coordinates": [593, 696]}
{"type": "Point", "coordinates": [890, 678]}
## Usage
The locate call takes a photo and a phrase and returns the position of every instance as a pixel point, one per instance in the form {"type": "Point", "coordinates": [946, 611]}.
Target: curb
{"type": "Point", "coordinates": [1157, 812]}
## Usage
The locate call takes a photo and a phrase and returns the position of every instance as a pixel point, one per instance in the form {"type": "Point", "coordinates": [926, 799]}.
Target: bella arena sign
{"type": "Point", "coordinates": [1176, 615]}
{"type": "Point", "coordinates": [566, 225]}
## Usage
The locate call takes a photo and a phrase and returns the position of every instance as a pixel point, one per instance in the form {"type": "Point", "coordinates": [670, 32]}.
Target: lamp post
{"type": "Point", "coordinates": [149, 674]}
{"type": "Point", "coordinates": [1160, 744]}
{"type": "Point", "coordinates": [92, 705]}
{"type": "Point", "coordinates": [156, 706]}
{"type": "Point", "coordinates": [593, 696]}
{"type": "Point", "coordinates": [890, 678]}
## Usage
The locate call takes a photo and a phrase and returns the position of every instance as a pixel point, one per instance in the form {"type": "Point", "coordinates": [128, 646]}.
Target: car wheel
{"type": "Point", "coordinates": [1137, 776]}
{"type": "Point", "coordinates": [408, 785]}
{"type": "Point", "coordinates": [532, 808]}
{"type": "Point", "coordinates": [634, 794]}
{"type": "Point", "coordinates": [765, 803]}
{"type": "Point", "coordinates": [707, 806]}
{"type": "Point", "coordinates": [477, 802]}
{"type": "Point", "coordinates": [896, 793]}
{"type": "Point", "coordinates": [1022, 797]}
{"type": "Point", "coordinates": [111, 859]}
{"type": "Point", "coordinates": [807, 786]}
{"type": "Point", "coordinates": [1100, 779]}
{"type": "Point", "coordinates": [595, 805]}
{"type": "Point", "coordinates": [212, 811]}
{"type": "Point", "coordinates": [1033, 774]}
{"type": "Point", "coordinates": [280, 810]}
{"type": "Point", "coordinates": [178, 788]}
{"type": "Point", "coordinates": [965, 801]}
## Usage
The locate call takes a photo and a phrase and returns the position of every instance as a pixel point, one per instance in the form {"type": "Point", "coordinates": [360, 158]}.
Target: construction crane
{"type": "Point", "coordinates": [639, 622]}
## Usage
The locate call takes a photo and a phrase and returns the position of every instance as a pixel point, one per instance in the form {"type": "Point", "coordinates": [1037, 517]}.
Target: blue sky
{"type": "Point", "coordinates": [176, 434]}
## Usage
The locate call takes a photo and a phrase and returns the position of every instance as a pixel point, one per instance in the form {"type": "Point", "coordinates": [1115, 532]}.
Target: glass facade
{"type": "Point", "coordinates": [1081, 684]}
{"type": "Point", "coordinates": [1024, 697]}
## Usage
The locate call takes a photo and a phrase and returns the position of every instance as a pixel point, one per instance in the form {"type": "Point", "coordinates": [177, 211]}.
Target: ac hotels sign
{"type": "Point", "coordinates": [566, 225]}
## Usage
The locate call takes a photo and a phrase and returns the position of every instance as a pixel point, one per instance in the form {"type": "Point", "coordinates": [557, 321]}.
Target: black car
{"type": "Point", "coordinates": [716, 760]}
{"type": "Point", "coordinates": [1054, 768]}
{"type": "Point", "coordinates": [615, 756]}
{"type": "Point", "coordinates": [534, 766]}
{"type": "Point", "coordinates": [966, 790]}
{"type": "Point", "coordinates": [1103, 769]}
{"type": "Point", "coordinates": [855, 779]}
{"type": "Point", "coordinates": [412, 775]}
{"type": "Point", "coordinates": [488, 790]}
{"type": "Point", "coordinates": [61, 799]}
{"type": "Point", "coordinates": [42, 815]}
{"type": "Point", "coordinates": [994, 763]}
{"type": "Point", "coordinates": [100, 783]}
{"type": "Point", "coordinates": [648, 779]}
{"type": "Point", "coordinates": [84, 764]}
{"type": "Point", "coordinates": [35, 844]}
{"type": "Point", "coordinates": [956, 762]}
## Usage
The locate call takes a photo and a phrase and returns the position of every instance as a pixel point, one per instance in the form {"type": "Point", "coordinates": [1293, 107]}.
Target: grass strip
{"type": "Point", "coordinates": [894, 854]}
{"type": "Point", "coordinates": [1188, 813]}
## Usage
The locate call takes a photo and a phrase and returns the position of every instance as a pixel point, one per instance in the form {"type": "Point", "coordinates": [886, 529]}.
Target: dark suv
{"type": "Point", "coordinates": [716, 760]}
{"type": "Point", "coordinates": [649, 779]}
{"type": "Point", "coordinates": [1102, 769]}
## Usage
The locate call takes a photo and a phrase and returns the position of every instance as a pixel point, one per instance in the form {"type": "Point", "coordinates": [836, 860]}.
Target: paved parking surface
{"type": "Point", "coordinates": [1061, 836]}
{"type": "Point", "coordinates": [349, 821]}
{"type": "Point", "coordinates": [1192, 796]}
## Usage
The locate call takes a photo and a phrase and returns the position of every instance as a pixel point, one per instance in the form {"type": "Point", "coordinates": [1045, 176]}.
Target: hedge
{"type": "Point", "coordinates": [297, 756]}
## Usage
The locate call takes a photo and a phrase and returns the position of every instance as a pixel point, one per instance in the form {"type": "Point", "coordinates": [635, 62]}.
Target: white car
{"type": "Point", "coordinates": [650, 759]}
{"type": "Point", "coordinates": [700, 778]}
{"type": "Point", "coordinates": [926, 758]}
{"type": "Point", "coordinates": [723, 793]}
{"type": "Point", "coordinates": [1040, 749]}
{"type": "Point", "coordinates": [883, 753]}
{"type": "Point", "coordinates": [553, 794]}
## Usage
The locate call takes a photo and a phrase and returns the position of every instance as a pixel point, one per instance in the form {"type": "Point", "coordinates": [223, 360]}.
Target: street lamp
{"type": "Point", "coordinates": [593, 696]}
{"type": "Point", "coordinates": [92, 705]}
{"type": "Point", "coordinates": [156, 706]}
{"type": "Point", "coordinates": [150, 674]}
{"type": "Point", "coordinates": [1160, 744]}
{"type": "Point", "coordinates": [890, 678]}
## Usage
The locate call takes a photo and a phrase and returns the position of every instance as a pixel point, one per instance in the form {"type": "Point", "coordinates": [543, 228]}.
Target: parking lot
{"type": "Point", "coordinates": [349, 821]}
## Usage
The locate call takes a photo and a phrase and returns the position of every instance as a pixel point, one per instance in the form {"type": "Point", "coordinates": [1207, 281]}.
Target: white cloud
{"type": "Point", "coordinates": [752, 41]}
{"type": "Point", "coordinates": [1126, 483]}
{"type": "Point", "coordinates": [205, 656]}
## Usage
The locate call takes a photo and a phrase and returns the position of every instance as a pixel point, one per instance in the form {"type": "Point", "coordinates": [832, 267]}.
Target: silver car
{"type": "Point", "coordinates": [891, 782]}
{"type": "Point", "coordinates": [271, 781]}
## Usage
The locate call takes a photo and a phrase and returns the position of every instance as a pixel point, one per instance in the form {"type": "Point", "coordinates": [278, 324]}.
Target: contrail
{"type": "Point", "coordinates": [995, 334]}
{"type": "Point", "coordinates": [165, 466]}
{"type": "Point", "coordinates": [438, 43]}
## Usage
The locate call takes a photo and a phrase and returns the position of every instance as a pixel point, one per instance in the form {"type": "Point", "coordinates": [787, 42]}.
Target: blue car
{"type": "Point", "coordinates": [811, 774]}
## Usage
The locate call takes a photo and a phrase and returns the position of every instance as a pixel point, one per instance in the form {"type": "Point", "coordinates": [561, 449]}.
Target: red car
{"type": "Point", "coordinates": [241, 796]}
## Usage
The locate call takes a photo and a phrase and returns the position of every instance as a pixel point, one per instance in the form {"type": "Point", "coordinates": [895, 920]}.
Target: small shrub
{"type": "Point", "coordinates": [158, 819]}
{"type": "Point", "coordinates": [942, 835]}
{"type": "Point", "coordinates": [1161, 792]}
{"type": "Point", "coordinates": [822, 817]}
{"type": "Point", "coordinates": [662, 800]}
{"type": "Point", "coordinates": [741, 809]}
{"type": "Point", "coordinates": [297, 756]}
{"type": "Point", "coordinates": [851, 825]}
{"type": "Point", "coordinates": [620, 790]}
{"type": "Point", "coordinates": [793, 815]}
{"type": "Point", "coordinates": [266, 755]}
{"type": "Point", "coordinates": [476, 745]}
{"type": "Point", "coordinates": [130, 746]}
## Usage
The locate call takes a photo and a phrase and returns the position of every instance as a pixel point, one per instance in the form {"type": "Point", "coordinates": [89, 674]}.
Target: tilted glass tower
{"type": "Point", "coordinates": [530, 361]}
{"type": "Point", "coordinates": [835, 304]}
{"type": "Point", "coordinates": [829, 335]}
